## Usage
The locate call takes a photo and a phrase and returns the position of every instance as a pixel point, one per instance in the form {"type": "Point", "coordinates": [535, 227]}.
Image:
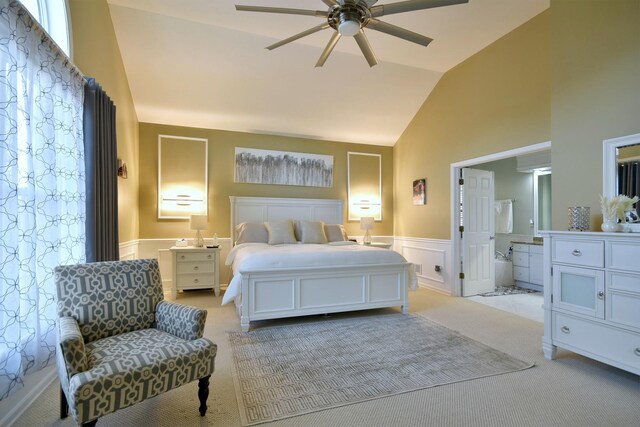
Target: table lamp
{"type": "Point", "coordinates": [198, 222]}
{"type": "Point", "coordinates": [366, 223]}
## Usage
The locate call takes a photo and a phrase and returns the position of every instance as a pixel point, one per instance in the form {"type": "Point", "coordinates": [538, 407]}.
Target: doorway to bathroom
{"type": "Point", "coordinates": [522, 195]}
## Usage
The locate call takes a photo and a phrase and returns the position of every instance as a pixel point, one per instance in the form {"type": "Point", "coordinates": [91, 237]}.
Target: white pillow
{"type": "Point", "coordinates": [312, 232]}
{"type": "Point", "coordinates": [335, 233]}
{"type": "Point", "coordinates": [251, 232]}
{"type": "Point", "coordinates": [280, 232]}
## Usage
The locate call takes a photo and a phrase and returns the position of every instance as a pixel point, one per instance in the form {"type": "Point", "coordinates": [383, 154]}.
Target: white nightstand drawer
{"type": "Point", "coordinates": [521, 259]}
{"type": "Point", "coordinates": [195, 267]}
{"type": "Point", "coordinates": [598, 339]}
{"type": "Point", "coordinates": [579, 252]}
{"type": "Point", "coordinates": [195, 281]}
{"type": "Point", "coordinates": [195, 256]}
{"type": "Point", "coordinates": [520, 247]}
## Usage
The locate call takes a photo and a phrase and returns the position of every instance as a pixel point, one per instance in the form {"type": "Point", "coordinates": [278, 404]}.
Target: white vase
{"type": "Point", "coordinates": [609, 226]}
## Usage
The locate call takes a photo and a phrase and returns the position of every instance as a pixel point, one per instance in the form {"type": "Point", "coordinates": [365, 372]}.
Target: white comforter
{"type": "Point", "coordinates": [248, 257]}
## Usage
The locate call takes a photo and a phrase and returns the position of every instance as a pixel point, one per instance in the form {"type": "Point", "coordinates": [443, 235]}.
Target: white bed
{"type": "Point", "coordinates": [271, 289]}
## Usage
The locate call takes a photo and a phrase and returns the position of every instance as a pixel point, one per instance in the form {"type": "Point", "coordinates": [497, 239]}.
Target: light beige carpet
{"type": "Point", "coordinates": [286, 371]}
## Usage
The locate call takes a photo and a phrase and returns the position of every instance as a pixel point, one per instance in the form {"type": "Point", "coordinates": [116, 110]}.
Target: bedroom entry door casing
{"type": "Point", "coordinates": [478, 236]}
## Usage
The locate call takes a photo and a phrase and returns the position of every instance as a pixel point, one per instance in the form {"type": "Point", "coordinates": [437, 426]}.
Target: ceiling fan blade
{"type": "Point", "coordinates": [385, 27]}
{"type": "Point", "coordinates": [409, 5]}
{"type": "Point", "coordinates": [362, 41]}
{"type": "Point", "coordinates": [285, 10]}
{"type": "Point", "coordinates": [330, 2]}
{"type": "Point", "coordinates": [327, 50]}
{"type": "Point", "coordinates": [299, 35]}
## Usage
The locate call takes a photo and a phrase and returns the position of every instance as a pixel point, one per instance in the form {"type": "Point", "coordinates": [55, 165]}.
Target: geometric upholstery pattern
{"type": "Point", "coordinates": [120, 343]}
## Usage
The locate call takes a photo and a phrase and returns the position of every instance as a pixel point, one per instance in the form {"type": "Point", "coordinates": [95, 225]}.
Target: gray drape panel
{"type": "Point", "coordinates": [101, 162]}
{"type": "Point", "coordinates": [629, 180]}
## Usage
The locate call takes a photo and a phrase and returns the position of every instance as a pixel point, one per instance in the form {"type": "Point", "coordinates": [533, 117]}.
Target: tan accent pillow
{"type": "Point", "coordinates": [312, 232]}
{"type": "Point", "coordinates": [280, 232]}
{"type": "Point", "coordinates": [335, 233]}
{"type": "Point", "coordinates": [251, 232]}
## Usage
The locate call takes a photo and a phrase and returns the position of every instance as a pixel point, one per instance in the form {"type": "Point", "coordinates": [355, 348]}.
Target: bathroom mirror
{"type": "Point", "coordinates": [364, 185]}
{"type": "Point", "coordinates": [616, 150]}
{"type": "Point", "coordinates": [182, 177]}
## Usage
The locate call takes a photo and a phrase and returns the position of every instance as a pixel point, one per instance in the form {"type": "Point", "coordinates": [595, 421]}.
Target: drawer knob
{"type": "Point", "coordinates": [181, 256]}
{"type": "Point", "coordinates": [196, 267]}
{"type": "Point", "coordinates": [209, 256]}
{"type": "Point", "coordinates": [196, 280]}
{"type": "Point", "coordinates": [600, 295]}
{"type": "Point", "coordinates": [637, 351]}
{"type": "Point", "coordinates": [576, 252]}
{"type": "Point", "coordinates": [565, 329]}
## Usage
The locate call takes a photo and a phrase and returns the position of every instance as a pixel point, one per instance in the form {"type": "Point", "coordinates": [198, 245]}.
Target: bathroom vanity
{"type": "Point", "coordinates": [527, 265]}
{"type": "Point", "coordinates": [592, 296]}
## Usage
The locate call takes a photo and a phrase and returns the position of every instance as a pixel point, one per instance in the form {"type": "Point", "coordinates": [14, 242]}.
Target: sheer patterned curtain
{"type": "Point", "coordinates": [42, 190]}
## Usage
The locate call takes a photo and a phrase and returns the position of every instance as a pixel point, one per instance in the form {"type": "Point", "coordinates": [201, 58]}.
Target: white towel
{"type": "Point", "coordinates": [504, 216]}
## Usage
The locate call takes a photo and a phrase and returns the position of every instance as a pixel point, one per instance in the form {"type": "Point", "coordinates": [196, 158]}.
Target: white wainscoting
{"type": "Point", "coordinates": [428, 255]}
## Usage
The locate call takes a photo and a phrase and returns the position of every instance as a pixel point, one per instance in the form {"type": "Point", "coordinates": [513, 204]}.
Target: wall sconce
{"type": "Point", "coordinates": [122, 169]}
{"type": "Point", "coordinates": [367, 223]}
{"type": "Point", "coordinates": [198, 222]}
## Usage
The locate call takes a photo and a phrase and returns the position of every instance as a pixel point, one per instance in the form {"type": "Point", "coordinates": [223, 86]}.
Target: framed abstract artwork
{"type": "Point", "coordinates": [420, 191]}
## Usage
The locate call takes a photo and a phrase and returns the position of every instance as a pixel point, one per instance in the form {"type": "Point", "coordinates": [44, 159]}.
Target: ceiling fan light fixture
{"type": "Point", "coordinates": [349, 28]}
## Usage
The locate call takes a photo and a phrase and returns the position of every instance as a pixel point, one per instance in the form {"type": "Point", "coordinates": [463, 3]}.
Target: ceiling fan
{"type": "Point", "coordinates": [350, 18]}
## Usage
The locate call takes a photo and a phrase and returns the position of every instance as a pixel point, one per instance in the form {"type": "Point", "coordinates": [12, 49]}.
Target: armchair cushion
{"type": "Point", "coordinates": [128, 368]}
{"type": "Point", "coordinates": [71, 346]}
{"type": "Point", "coordinates": [180, 320]}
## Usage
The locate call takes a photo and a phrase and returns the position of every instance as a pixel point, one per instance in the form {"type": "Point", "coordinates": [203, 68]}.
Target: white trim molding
{"type": "Point", "coordinates": [432, 260]}
{"type": "Point", "coordinates": [12, 408]}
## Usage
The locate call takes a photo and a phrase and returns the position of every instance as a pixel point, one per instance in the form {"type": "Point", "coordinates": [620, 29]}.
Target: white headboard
{"type": "Point", "coordinates": [264, 209]}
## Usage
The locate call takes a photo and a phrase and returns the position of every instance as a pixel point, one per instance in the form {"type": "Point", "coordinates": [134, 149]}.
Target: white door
{"type": "Point", "coordinates": [478, 244]}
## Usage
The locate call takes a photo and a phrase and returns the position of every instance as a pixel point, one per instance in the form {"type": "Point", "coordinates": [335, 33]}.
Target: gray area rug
{"type": "Point", "coordinates": [284, 371]}
{"type": "Point", "coordinates": [507, 290]}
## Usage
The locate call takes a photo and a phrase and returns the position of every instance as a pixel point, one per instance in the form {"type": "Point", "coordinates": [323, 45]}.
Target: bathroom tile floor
{"type": "Point", "coordinates": [525, 305]}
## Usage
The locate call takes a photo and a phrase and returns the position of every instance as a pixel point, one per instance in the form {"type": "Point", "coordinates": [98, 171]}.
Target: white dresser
{"type": "Point", "coordinates": [527, 265]}
{"type": "Point", "coordinates": [195, 268]}
{"type": "Point", "coordinates": [592, 296]}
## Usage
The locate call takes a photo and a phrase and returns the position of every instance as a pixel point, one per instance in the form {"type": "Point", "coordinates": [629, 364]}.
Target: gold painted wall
{"type": "Point", "coordinates": [596, 95]}
{"type": "Point", "coordinates": [221, 173]}
{"type": "Point", "coordinates": [498, 99]}
{"type": "Point", "coordinates": [96, 53]}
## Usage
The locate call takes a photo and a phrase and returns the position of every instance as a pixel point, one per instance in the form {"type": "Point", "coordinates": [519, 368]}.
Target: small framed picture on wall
{"type": "Point", "coordinates": [420, 191]}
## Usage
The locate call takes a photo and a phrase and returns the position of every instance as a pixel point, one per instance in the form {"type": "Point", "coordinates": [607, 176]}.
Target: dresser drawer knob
{"type": "Point", "coordinates": [196, 268]}
{"type": "Point", "coordinates": [565, 329]}
{"type": "Point", "coordinates": [209, 256]}
{"type": "Point", "coordinates": [576, 252]}
{"type": "Point", "coordinates": [181, 256]}
{"type": "Point", "coordinates": [196, 280]}
{"type": "Point", "coordinates": [637, 351]}
{"type": "Point", "coordinates": [600, 295]}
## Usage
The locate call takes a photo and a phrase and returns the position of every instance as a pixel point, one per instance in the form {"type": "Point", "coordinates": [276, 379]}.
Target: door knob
{"type": "Point", "coordinates": [600, 295]}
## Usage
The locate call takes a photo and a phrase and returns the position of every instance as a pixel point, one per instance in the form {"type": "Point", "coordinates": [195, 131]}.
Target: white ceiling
{"type": "Point", "coordinates": [200, 63]}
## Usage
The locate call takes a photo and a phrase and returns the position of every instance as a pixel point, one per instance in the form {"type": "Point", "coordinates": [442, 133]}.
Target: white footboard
{"type": "Point", "coordinates": [274, 294]}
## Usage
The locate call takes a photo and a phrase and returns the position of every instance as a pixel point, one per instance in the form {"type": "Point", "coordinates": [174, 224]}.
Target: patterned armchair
{"type": "Point", "coordinates": [120, 343]}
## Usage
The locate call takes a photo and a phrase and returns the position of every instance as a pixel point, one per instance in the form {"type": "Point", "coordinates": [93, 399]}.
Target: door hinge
{"type": "Point", "coordinates": [551, 298]}
{"type": "Point", "coordinates": [461, 228]}
{"type": "Point", "coordinates": [461, 275]}
{"type": "Point", "coordinates": [551, 271]}
{"type": "Point", "coordinates": [461, 181]}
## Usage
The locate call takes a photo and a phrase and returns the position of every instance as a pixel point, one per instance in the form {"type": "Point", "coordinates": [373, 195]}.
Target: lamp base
{"type": "Point", "coordinates": [366, 239]}
{"type": "Point", "coordinates": [198, 242]}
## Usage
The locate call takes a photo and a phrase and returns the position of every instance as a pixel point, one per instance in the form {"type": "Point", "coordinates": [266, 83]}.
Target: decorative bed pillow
{"type": "Point", "coordinates": [335, 233]}
{"type": "Point", "coordinates": [312, 232]}
{"type": "Point", "coordinates": [280, 232]}
{"type": "Point", "coordinates": [251, 232]}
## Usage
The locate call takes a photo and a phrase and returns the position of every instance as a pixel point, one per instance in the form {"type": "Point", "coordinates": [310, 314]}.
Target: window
{"type": "Point", "coordinates": [54, 17]}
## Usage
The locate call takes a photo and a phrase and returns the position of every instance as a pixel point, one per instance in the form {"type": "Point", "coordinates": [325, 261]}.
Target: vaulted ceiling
{"type": "Point", "coordinates": [200, 63]}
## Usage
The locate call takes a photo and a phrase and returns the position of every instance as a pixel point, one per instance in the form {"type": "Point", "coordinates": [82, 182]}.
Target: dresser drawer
{"type": "Point", "coordinates": [195, 256]}
{"type": "Point", "coordinates": [520, 247]}
{"type": "Point", "coordinates": [521, 259]}
{"type": "Point", "coordinates": [623, 256]}
{"type": "Point", "coordinates": [623, 299]}
{"type": "Point", "coordinates": [536, 249]}
{"type": "Point", "coordinates": [579, 252]}
{"type": "Point", "coordinates": [195, 267]}
{"type": "Point", "coordinates": [521, 274]}
{"type": "Point", "coordinates": [598, 340]}
{"type": "Point", "coordinates": [195, 281]}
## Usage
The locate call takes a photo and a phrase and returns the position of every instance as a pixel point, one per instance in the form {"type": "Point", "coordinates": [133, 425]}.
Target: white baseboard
{"type": "Point", "coordinates": [12, 407]}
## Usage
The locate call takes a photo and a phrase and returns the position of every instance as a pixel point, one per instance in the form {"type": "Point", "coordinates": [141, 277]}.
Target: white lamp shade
{"type": "Point", "coordinates": [198, 222]}
{"type": "Point", "coordinates": [366, 223]}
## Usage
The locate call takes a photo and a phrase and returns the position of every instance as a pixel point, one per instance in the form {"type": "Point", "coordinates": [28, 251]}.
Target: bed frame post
{"type": "Point", "coordinates": [244, 312]}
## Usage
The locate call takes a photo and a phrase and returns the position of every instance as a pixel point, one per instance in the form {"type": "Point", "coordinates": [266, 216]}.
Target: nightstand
{"type": "Point", "coordinates": [195, 268]}
{"type": "Point", "coordinates": [379, 245]}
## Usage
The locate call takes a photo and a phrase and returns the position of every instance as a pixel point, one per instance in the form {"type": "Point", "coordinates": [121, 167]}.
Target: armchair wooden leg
{"type": "Point", "coordinates": [203, 394]}
{"type": "Point", "coordinates": [64, 406]}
